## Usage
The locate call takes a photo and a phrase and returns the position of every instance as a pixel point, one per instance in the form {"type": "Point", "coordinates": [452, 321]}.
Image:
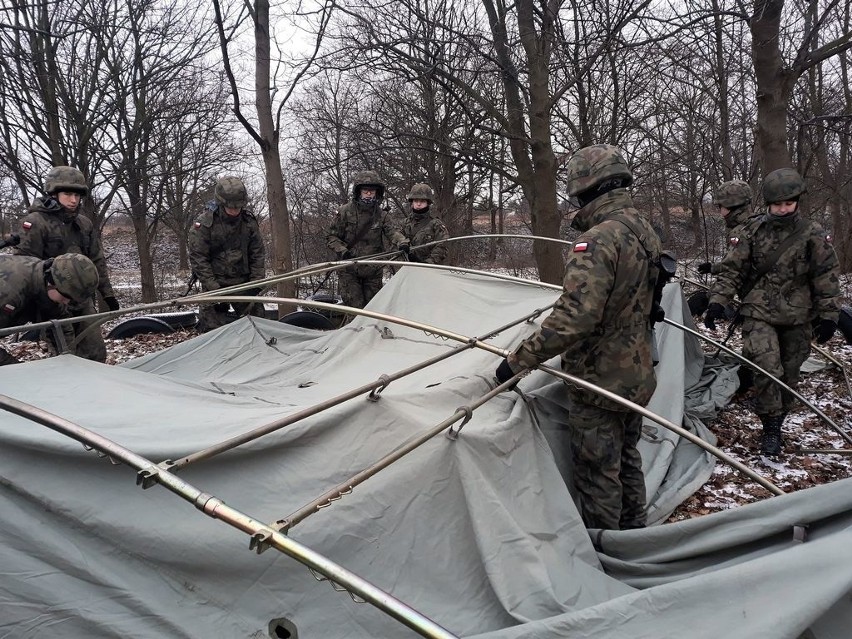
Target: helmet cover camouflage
{"type": "Point", "coordinates": [65, 178]}
{"type": "Point", "coordinates": [591, 166]}
{"type": "Point", "coordinates": [732, 194]}
{"type": "Point", "coordinates": [783, 185]}
{"type": "Point", "coordinates": [421, 192]}
{"type": "Point", "coordinates": [74, 275]}
{"type": "Point", "coordinates": [367, 178]}
{"type": "Point", "coordinates": [231, 193]}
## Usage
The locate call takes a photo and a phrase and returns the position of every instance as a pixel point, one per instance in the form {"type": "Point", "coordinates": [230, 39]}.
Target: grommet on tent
{"type": "Point", "coordinates": [453, 432]}
{"type": "Point", "coordinates": [374, 394]}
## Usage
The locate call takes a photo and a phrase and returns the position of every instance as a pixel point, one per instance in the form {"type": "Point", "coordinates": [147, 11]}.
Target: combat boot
{"type": "Point", "coordinates": [770, 439]}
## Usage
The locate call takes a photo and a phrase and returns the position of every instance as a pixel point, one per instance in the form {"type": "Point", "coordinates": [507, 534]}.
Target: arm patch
{"type": "Point", "coordinates": [583, 247]}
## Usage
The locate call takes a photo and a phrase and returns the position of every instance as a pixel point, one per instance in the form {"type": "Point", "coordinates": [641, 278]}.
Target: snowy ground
{"type": "Point", "coordinates": [736, 427]}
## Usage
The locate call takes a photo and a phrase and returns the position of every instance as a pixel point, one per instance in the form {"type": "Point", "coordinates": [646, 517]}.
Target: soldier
{"type": "Point", "coordinates": [34, 290]}
{"type": "Point", "coordinates": [226, 248]}
{"type": "Point", "coordinates": [601, 325]}
{"type": "Point", "coordinates": [733, 199]}
{"type": "Point", "coordinates": [53, 227]}
{"type": "Point", "coordinates": [362, 228]}
{"type": "Point", "coordinates": [785, 272]}
{"type": "Point", "coordinates": [422, 227]}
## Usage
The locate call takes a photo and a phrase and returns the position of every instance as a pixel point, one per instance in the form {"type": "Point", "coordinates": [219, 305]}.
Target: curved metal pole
{"type": "Point", "coordinates": [214, 507]}
{"type": "Point", "coordinates": [574, 380]}
{"type": "Point", "coordinates": [831, 358]}
{"type": "Point", "coordinates": [371, 387]}
{"type": "Point", "coordinates": [344, 488]}
{"type": "Point", "coordinates": [806, 402]}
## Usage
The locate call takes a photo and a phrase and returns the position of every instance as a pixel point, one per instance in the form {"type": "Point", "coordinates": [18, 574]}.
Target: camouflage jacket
{"type": "Point", "coordinates": [802, 284]}
{"type": "Point", "coordinates": [601, 324]}
{"type": "Point", "coordinates": [423, 228]}
{"type": "Point", "coordinates": [23, 295]}
{"type": "Point", "coordinates": [49, 231]}
{"type": "Point", "coordinates": [224, 251]}
{"type": "Point", "coordinates": [364, 230]}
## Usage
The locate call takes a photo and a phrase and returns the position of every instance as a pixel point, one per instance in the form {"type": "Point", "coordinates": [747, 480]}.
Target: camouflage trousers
{"type": "Point", "coordinates": [92, 345]}
{"type": "Point", "coordinates": [211, 316]}
{"type": "Point", "coordinates": [607, 468]}
{"type": "Point", "coordinates": [356, 289]}
{"type": "Point", "coordinates": [779, 350]}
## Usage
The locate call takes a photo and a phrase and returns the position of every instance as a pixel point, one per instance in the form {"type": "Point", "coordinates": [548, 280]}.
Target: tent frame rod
{"type": "Point", "coordinates": [215, 508]}
{"type": "Point", "coordinates": [374, 388]}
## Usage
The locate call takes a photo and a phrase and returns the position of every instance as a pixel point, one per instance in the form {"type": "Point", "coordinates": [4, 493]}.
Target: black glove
{"type": "Point", "coordinates": [405, 247]}
{"type": "Point", "coordinates": [704, 268]}
{"type": "Point", "coordinates": [346, 254]}
{"type": "Point", "coordinates": [222, 307]}
{"type": "Point", "coordinates": [825, 330]}
{"type": "Point", "coordinates": [504, 372]}
{"type": "Point", "coordinates": [112, 303]}
{"type": "Point", "coordinates": [714, 312]}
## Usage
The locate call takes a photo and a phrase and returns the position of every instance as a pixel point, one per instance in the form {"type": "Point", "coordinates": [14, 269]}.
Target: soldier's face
{"type": "Point", "coordinates": [232, 211]}
{"type": "Point", "coordinates": [783, 208]}
{"type": "Point", "coordinates": [724, 211]}
{"type": "Point", "coordinates": [68, 200]}
{"type": "Point", "coordinates": [367, 193]}
{"type": "Point", "coordinates": [56, 296]}
{"type": "Point", "coordinates": [419, 205]}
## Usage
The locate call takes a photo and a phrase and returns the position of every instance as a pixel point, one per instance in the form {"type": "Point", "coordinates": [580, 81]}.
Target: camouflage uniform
{"type": "Point", "coordinates": [802, 286]}
{"type": "Point", "coordinates": [50, 230]}
{"type": "Point", "coordinates": [601, 327]}
{"type": "Point", "coordinates": [224, 251]}
{"type": "Point", "coordinates": [422, 227]}
{"type": "Point", "coordinates": [362, 228]}
{"type": "Point", "coordinates": [24, 294]}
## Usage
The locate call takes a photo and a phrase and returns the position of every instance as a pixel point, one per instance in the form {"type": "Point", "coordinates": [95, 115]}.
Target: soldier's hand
{"type": "Point", "coordinates": [222, 307]}
{"type": "Point", "coordinates": [405, 247]}
{"type": "Point", "coordinates": [504, 373]}
{"type": "Point", "coordinates": [704, 268]}
{"type": "Point", "coordinates": [714, 312]}
{"type": "Point", "coordinates": [825, 330]}
{"type": "Point", "coordinates": [346, 254]}
{"type": "Point", "coordinates": [112, 303]}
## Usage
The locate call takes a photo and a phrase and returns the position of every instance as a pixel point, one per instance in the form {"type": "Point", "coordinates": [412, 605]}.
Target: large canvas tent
{"type": "Point", "coordinates": [478, 533]}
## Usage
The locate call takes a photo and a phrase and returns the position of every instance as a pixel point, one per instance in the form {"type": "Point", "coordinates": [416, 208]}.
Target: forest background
{"type": "Point", "coordinates": [484, 100]}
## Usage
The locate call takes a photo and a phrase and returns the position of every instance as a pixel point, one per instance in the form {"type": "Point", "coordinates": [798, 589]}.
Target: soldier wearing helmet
{"type": "Point", "coordinates": [34, 290]}
{"type": "Point", "coordinates": [422, 227]}
{"type": "Point", "coordinates": [362, 228]}
{"type": "Point", "coordinates": [226, 248]}
{"type": "Point", "coordinates": [601, 327]}
{"type": "Point", "coordinates": [54, 227]}
{"type": "Point", "coordinates": [785, 272]}
{"type": "Point", "coordinates": [733, 199]}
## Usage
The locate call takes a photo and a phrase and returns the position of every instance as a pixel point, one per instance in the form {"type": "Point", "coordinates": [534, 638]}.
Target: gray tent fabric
{"type": "Point", "coordinates": [480, 534]}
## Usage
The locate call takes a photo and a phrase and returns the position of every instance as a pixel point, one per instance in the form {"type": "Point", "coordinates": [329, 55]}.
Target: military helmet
{"type": "Point", "coordinates": [74, 275]}
{"type": "Point", "coordinates": [231, 193]}
{"type": "Point", "coordinates": [591, 166]}
{"type": "Point", "coordinates": [732, 194]}
{"type": "Point", "coordinates": [367, 178]}
{"type": "Point", "coordinates": [421, 192]}
{"type": "Point", "coordinates": [65, 178]}
{"type": "Point", "coordinates": [783, 185]}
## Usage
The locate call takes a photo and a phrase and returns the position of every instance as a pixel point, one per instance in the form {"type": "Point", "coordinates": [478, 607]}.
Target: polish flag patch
{"type": "Point", "coordinates": [829, 239]}
{"type": "Point", "coordinates": [8, 309]}
{"type": "Point", "coordinates": [581, 247]}
{"type": "Point", "coordinates": [198, 225]}
{"type": "Point", "coordinates": [27, 225]}
{"type": "Point", "coordinates": [734, 241]}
